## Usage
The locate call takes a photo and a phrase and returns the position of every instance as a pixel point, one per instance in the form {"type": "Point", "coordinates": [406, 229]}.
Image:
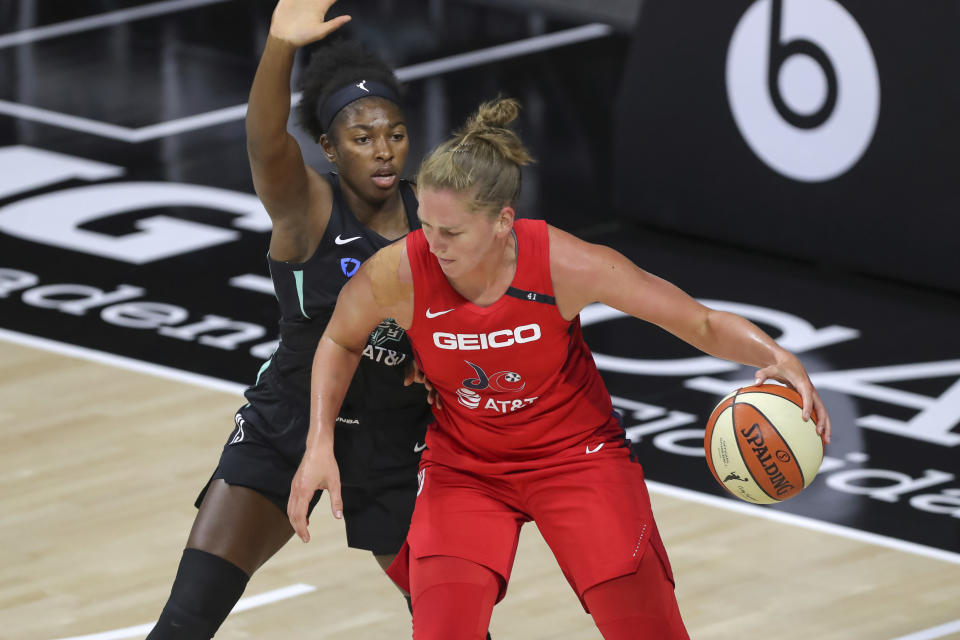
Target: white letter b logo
{"type": "Point", "coordinates": [803, 87]}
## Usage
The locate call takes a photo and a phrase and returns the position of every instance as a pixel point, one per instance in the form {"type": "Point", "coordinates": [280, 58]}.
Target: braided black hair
{"type": "Point", "coordinates": [335, 63]}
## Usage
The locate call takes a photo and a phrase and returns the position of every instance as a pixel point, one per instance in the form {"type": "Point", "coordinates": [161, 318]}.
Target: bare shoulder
{"type": "Point", "coordinates": [319, 200]}
{"type": "Point", "coordinates": [293, 194]}
{"type": "Point", "coordinates": [320, 188]}
{"type": "Point", "coordinates": [563, 246]}
{"type": "Point", "coordinates": [404, 272]}
{"type": "Point", "coordinates": [573, 258]}
{"type": "Point", "coordinates": [299, 218]}
{"type": "Point", "coordinates": [579, 270]}
{"type": "Point", "coordinates": [390, 278]}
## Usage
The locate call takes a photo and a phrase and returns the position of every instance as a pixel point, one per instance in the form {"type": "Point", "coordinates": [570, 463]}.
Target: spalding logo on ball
{"type": "Point", "coordinates": [758, 446]}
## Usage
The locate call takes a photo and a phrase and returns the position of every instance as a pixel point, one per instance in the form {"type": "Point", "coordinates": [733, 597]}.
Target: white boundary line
{"type": "Point", "coordinates": [805, 522]}
{"type": "Point", "coordinates": [934, 632]}
{"type": "Point", "coordinates": [253, 282]}
{"type": "Point", "coordinates": [217, 384]}
{"type": "Point", "coordinates": [251, 602]}
{"type": "Point", "coordinates": [84, 125]}
{"type": "Point", "coordinates": [101, 20]}
{"type": "Point", "coordinates": [516, 49]}
{"type": "Point", "coordinates": [238, 112]}
{"type": "Point", "coordinates": [130, 364]}
{"type": "Point", "coordinates": [190, 123]}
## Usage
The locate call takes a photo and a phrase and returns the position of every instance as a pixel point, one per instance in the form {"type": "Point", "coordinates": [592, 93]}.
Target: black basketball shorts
{"type": "Point", "coordinates": [376, 517]}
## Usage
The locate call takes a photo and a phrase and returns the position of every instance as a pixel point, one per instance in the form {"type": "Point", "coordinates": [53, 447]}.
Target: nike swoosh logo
{"type": "Point", "coordinates": [598, 447]}
{"type": "Point", "coordinates": [340, 240]}
{"type": "Point", "coordinates": [417, 448]}
{"type": "Point", "coordinates": [438, 313]}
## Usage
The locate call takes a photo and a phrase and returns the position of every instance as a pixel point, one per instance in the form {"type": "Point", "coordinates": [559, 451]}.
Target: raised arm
{"type": "Point", "coordinates": [289, 189]}
{"type": "Point", "coordinates": [585, 273]}
{"type": "Point", "coordinates": [374, 293]}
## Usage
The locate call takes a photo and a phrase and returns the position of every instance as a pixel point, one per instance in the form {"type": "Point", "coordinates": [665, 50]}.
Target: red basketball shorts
{"type": "Point", "coordinates": [592, 509]}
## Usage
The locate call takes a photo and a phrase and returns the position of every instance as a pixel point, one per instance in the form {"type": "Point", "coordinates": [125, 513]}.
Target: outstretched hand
{"type": "Point", "coordinates": [301, 22]}
{"type": "Point", "coordinates": [791, 373]}
{"type": "Point", "coordinates": [316, 471]}
{"type": "Point", "coordinates": [415, 375]}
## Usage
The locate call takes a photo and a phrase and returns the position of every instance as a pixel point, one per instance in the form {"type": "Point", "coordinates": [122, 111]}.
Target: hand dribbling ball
{"type": "Point", "coordinates": [758, 446]}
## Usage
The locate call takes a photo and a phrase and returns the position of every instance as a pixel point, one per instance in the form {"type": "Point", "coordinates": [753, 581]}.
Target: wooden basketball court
{"type": "Point", "coordinates": [101, 465]}
{"type": "Point", "coordinates": [124, 179]}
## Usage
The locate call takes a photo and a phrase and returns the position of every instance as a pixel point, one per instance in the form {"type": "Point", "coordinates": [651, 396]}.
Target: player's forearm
{"type": "Point", "coordinates": [269, 105]}
{"type": "Point", "coordinates": [732, 337]}
{"type": "Point", "coordinates": [333, 369]}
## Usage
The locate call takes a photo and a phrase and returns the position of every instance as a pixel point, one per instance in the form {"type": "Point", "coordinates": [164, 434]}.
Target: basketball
{"type": "Point", "coordinates": [758, 446]}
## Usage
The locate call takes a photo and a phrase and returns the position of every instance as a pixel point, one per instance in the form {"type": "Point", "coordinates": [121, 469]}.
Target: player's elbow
{"type": "Point", "coordinates": [335, 342]}
{"type": "Point", "coordinates": [704, 328]}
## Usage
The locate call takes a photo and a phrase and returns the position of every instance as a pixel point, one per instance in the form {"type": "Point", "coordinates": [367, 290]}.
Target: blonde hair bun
{"type": "Point", "coordinates": [484, 157]}
{"type": "Point", "coordinates": [490, 124]}
{"type": "Point", "coordinates": [494, 115]}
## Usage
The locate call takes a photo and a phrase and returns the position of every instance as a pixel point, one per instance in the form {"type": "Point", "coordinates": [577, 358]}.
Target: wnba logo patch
{"type": "Point", "coordinates": [421, 478]}
{"type": "Point", "coordinates": [803, 87]}
{"type": "Point", "coordinates": [238, 434]}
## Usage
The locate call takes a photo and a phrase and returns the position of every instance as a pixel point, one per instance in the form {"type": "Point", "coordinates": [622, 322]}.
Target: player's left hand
{"type": "Point", "coordinates": [415, 375]}
{"type": "Point", "coordinates": [318, 470]}
{"type": "Point", "coordinates": [301, 22]}
{"type": "Point", "coordinates": [790, 372]}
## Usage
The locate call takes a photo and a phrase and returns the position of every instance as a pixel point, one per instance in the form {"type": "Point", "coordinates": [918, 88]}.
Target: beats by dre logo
{"type": "Point", "coordinates": [803, 87]}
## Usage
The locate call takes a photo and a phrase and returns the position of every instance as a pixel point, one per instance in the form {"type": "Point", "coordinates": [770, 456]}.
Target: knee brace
{"type": "Point", "coordinates": [205, 590]}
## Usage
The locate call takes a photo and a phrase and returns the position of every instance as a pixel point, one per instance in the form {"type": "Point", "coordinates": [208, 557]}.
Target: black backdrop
{"type": "Point", "coordinates": [683, 163]}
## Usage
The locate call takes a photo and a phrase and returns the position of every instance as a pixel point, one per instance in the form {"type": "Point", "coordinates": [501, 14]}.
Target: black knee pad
{"type": "Point", "coordinates": [205, 590]}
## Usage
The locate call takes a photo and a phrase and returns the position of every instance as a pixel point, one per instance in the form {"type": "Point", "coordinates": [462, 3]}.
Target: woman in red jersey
{"type": "Point", "coordinates": [524, 428]}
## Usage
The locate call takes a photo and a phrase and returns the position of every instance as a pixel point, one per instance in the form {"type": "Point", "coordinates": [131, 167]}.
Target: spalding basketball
{"type": "Point", "coordinates": [758, 446]}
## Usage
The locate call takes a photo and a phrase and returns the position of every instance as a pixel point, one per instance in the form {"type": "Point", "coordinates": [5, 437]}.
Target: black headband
{"type": "Point", "coordinates": [343, 96]}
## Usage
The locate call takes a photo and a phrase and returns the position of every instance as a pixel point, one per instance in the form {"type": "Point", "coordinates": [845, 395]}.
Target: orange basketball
{"type": "Point", "coordinates": [758, 446]}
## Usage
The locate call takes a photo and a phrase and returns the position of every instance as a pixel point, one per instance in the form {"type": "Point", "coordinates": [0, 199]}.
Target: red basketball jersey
{"type": "Point", "coordinates": [516, 381]}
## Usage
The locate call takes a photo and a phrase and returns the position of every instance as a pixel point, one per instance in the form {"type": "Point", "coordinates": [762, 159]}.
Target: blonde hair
{"type": "Point", "coordinates": [484, 157]}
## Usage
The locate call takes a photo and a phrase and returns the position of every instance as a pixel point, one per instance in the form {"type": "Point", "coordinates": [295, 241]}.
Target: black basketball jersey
{"type": "Point", "coordinates": [380, 418]}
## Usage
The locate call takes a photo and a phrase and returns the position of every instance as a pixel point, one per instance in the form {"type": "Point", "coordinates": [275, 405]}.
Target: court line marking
{"type": "Point", "coordinates": [253, 282]}
{"type": "Point", "coordinates": [220, 116]}
{"type": "Point", "coordinates": [98, 21]}
{"type": "Point", "coordinates": [934, 632]}
{"type": "Point", "coordinates": [243, 604]}
{"type": "Point", "coordinates": [123, 362]}
{"type": "Point", "coordinates": [805, 522]}
{"type": "Point", "coordinates": [534, 44]}
{"type": "Point", "coordinates": [419, 71]}
{"type": "Point", "coordinates": [65, 121]}
{"type": "Point", "coordinates": [225, 386]}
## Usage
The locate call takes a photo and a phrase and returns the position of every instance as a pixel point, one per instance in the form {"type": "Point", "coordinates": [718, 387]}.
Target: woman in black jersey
{"type": "Point", "coordinates": [323, 228]}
